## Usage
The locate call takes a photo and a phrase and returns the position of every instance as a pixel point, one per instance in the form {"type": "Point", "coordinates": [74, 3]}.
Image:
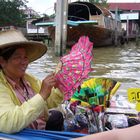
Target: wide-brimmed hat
{"type": "Point", "coordinates": [15, 38]}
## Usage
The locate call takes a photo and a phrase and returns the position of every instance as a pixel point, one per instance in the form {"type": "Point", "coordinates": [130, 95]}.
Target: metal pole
{"type": "Point", "coordinates": [61, 27]}
{"type": "Point", "coordinates": [127, 29]}
{"type": "Point", "coordinates": [64, 31]}
{"type": "Point", "coordinates": [116, 25]}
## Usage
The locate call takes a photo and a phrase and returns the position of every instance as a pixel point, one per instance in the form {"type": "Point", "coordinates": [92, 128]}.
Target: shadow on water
{"type": "Point", "coordinates": [120, 63]}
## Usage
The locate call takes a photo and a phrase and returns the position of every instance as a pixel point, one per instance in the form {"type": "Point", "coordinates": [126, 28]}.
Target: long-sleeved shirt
{"type": "Point", "coordinates": [25, 93]}
{"type": "Point", "coordinates": [14, 115]}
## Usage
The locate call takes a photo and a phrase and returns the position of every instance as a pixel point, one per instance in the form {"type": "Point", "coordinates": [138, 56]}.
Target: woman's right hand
{"type": "Point", "coordinates": [47, 84]}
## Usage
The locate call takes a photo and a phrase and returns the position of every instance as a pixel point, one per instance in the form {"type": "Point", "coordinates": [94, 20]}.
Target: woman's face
{"type": "Point", "coordinates": [16, 65]}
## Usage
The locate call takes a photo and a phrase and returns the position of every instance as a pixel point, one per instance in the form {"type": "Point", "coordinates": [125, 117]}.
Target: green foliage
{"type": "Point", "coordinates": [11, 13]}
{"type": "Point", "coordinates": [101, 2]}
{"type": "Point", "coordinates": [52, 16]}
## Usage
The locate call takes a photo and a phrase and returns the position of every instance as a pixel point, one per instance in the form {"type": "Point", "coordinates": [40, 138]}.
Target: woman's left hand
{"type": "Point", "coordinates": [47, 84]}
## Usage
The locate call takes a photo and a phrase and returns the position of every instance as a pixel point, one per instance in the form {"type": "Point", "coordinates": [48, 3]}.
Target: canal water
{"type": "Point", "coordinates": [120, 63]}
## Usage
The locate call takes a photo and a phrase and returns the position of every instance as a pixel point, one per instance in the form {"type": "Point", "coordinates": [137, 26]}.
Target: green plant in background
{"type": "Point", "coordinates": [101, 2]}
{"type": "Point", "coordinates": [11, 13]}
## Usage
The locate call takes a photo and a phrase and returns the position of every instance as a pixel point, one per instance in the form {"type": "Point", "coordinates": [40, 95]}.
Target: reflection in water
{"type": "Point", "coordinates": [119, 63]}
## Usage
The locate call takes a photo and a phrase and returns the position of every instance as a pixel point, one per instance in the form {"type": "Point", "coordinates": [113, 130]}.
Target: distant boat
{"type": "Point", "coordinates": [92, 20]}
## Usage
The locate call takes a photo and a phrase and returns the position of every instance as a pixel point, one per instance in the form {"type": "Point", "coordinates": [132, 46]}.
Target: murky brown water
{"type": "Point", "coordinates": [119, 63]}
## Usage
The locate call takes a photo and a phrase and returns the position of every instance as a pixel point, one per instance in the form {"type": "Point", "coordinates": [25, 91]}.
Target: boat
{"type": "Point", "coordinates": [28, 134]}
{"type": "Point", "coordinates": [92, 20]}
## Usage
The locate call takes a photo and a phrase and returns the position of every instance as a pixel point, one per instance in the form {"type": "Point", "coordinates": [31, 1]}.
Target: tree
{"type": "Point", "coordinates": [101, 2]}
{"type": "Point", "coordinates": [11, 13]}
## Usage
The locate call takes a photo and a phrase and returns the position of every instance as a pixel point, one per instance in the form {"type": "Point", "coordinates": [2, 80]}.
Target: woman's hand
{"type": "Point", "coordinates": [58, 67]}
{"type": "Point", "coordinates": [47, 85]}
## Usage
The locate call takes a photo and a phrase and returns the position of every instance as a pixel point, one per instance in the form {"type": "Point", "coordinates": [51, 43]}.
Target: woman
{"type": "Point", "coordinates": [24, 100]}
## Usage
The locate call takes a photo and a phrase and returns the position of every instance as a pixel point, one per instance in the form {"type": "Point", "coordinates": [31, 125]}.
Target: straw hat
{"type": "Point", "coordinates": [14, 38]}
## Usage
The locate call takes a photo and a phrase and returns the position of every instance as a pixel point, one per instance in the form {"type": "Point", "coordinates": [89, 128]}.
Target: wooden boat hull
{"type": "Point", "coordinates": [98, 35]}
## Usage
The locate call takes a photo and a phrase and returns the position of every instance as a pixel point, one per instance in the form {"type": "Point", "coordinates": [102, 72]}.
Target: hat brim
{"type": "Point", "coordinates": [33, 49]}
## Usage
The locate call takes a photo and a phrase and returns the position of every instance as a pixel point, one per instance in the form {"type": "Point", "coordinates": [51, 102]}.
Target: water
{"type": "Point", "coordinates": [119, 63]}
